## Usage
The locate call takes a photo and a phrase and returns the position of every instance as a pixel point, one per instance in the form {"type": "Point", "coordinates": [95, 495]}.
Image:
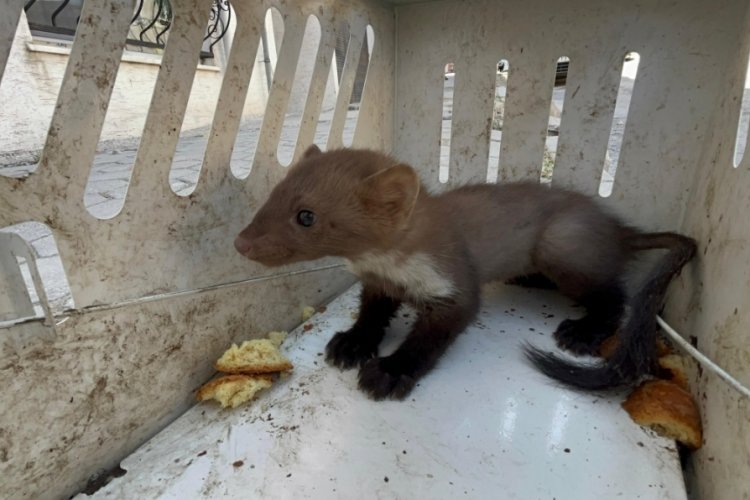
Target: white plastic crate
{"type": "Point", "coordinates": [158, 292]}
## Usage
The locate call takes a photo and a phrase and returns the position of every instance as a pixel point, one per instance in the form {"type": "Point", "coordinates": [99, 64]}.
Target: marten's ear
{"type": "Point", "coordinates": [313, 150]}
{"type": "Point", "coordinates": [391, 193]}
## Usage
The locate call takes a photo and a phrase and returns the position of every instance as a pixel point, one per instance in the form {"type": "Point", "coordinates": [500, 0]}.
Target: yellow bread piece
{"type": "Point", "coordinates": [253, 357]}
{"type": "Point", "coordinates": [307, 312]}
{"type": "Point", "coordinates": [668, 409]}
{"type": "Point", "coordinates": [233, 390]}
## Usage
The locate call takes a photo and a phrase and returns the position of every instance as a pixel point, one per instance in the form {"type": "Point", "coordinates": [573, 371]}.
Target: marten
{"type": "Point", "coordinates": [433, 251]}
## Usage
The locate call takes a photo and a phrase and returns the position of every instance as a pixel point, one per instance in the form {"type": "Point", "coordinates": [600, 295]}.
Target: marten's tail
{"type": "Point", "coordinates": [635, 354]}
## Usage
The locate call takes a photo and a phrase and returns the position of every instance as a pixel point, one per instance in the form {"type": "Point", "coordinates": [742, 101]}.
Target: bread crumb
{"type": "Point", "coordinates": [253, 357]}
{"type": "Point", "coordinates": [233, 390]}
{"type": "Point", "coordinates": [307, 312]}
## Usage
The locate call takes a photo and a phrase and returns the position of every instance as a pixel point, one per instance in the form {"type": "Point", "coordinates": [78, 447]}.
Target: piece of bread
{"type": "Point", "coordinates": [233, 390]}
{"type": "Point", "coordinates": [668, 409]}
{"type": "Point", "coordinates": [307, 312]}
{"type": "Point", "coordinates": [674, 366]}
{"type": "Point", "coordinates": [253, 357]}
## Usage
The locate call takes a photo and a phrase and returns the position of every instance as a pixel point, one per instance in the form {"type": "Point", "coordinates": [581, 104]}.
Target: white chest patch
{"type": "Point", "coordinates": [417, 274]}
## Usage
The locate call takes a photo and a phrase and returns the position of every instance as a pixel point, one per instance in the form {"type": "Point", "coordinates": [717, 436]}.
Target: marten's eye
{"type": "Point", "coordinates": [306, 218]}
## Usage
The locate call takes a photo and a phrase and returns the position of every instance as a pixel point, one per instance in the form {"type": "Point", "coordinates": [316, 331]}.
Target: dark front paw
{"type": "Point", "coordinates": [349, 349]}
{"type": "Point", "coordinates": [383, 378]}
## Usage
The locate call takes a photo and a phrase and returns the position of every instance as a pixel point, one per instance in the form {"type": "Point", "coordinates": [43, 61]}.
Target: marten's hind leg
{"type": "Point", "coordinates": [604, 310]}
{"type": "Point", "coordinates": [583, 255]}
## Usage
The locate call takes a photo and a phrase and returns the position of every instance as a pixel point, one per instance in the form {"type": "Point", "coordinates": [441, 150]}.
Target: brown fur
{"type": "Point", "coordinates": [434, 251]}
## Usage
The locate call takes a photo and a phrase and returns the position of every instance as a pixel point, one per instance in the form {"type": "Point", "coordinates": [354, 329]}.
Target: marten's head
{"type": "Point", "coordinates": [339, 203]}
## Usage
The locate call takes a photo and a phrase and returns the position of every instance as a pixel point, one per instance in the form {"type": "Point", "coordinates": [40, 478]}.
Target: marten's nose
{"type": "Point", "coordinates": [243, 244]}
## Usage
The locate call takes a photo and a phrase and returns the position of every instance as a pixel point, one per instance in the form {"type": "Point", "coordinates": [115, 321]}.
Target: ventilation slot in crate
{"type": "Point", "coordinates": [498, 114]}
{"type": "Point", "coordinates": [33, 281]}
{"type": "Point", "coordinates": [360, 79]}
{"type": "Point", "coordinates": [740, 141]}
{"type": "Point", "coordinates": [201, 106]}
{"type": "Point", "coordinates": [261, 80]}
{"type": "Point", "coordinates": [300, 91]}
{"type": "Point", "coordinates": [557, 103]}
{"type": "Point", "coordinates": [345, 88]}
{"type": "Point", "coordinates": [449, 83]}
{"type": "Point", "coordinates": [619, 122]}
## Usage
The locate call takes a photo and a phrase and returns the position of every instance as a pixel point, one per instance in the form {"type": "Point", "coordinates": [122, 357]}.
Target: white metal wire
{"type": "Point", "coordinates": [702, 358]}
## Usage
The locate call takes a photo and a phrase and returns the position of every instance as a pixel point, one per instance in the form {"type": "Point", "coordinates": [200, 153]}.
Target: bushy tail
{"type": "Point", "coordinates": [635, 354]}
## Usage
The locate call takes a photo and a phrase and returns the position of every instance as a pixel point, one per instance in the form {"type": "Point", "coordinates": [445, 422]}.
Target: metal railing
{"type": "Point", "coordinates": [149, 27]}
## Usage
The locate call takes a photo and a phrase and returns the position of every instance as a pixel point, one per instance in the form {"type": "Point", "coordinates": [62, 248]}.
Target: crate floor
{"type": "Point", "coordinates": [483, 424]}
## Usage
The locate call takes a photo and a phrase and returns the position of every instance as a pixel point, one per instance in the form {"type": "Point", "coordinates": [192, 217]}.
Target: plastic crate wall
{"type": "Point", "coordinates": [159, 290]}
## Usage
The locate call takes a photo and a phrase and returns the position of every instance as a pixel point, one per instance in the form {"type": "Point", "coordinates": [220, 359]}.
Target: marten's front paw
{"type": "Point", "coordinates": [383, 378]}
{"type": "Point", "coordinates": [349, 349]}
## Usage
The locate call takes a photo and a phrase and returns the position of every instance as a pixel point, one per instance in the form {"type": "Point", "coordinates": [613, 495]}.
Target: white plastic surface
{"type": "Point", "coordinates": [483, 424]}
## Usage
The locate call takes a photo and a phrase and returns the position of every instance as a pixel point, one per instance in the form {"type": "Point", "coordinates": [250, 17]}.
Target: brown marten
{"type": "Point", "coordinates": [434, 251]}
